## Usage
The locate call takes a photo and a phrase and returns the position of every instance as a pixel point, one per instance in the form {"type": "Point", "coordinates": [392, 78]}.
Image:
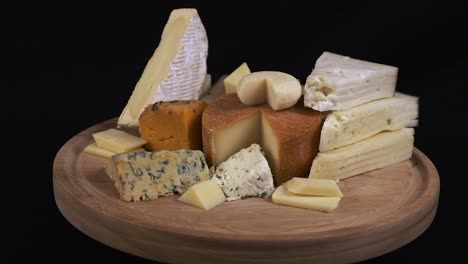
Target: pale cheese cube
{"type": "Point", "coordinates": [204, 195]}
{"type": "Point", "coordinates": [316, 187]}
{"type": "Point", "coordinates": [231, 82]}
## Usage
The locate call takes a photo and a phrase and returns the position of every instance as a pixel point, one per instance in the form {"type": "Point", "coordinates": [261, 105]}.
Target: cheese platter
{"type": "Point", "coordinates": [256, 168]}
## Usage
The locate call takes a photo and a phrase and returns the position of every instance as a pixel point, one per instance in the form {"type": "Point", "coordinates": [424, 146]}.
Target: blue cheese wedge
{"type": "Point", "coordinates": [245, 174]}
{"type": "Point", "coordinates": [142, 176]}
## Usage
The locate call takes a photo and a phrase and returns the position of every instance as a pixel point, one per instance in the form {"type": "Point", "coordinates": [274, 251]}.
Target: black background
{"type": "Point", "coordinates": [76, 64]}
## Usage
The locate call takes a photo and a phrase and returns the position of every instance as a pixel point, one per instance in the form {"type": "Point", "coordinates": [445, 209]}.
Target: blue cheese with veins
{"type": "Point", "coordinates": [142, 175]}
{"type": "Point", "coordinates": [245, 174]}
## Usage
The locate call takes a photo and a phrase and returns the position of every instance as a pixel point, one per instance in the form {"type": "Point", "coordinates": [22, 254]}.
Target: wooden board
{"type": "Point", "coordinates": [381, 211]}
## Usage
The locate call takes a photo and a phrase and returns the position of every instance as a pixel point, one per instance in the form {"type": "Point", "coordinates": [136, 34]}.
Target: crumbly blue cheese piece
{"type": "Point", "coordinates": [142, 176]}
{"type": "Point", "coordinates": [245, 174]}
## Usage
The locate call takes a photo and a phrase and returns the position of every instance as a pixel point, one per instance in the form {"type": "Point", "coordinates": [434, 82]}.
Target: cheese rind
{"type": "Point", "coordinates": [316, 187]}
{"type": "Point", "coordinates": [231, 82]}
{"type": "Point", "coordinates": [245, 174]}
{"type": "Point", "coordinates": [280, 90]}
{"type": "Point", "coordinates": [381, 150]}
{"type": "Point", "coordinates": [177, 68]}
{"type": "Point", "coordinates": [142, 176]}
{"type": "Point", "coordinates": [321, 204]}
{"type": "Point", "coordinates": [94, 149]}
{"type": "Point", "coordinates": [172, 125]}
{"type": "Point", "coordinates": [345, 127]}
{"type": "Point", "coordinates": [117, 141]}
{"type": "Point", "coordinates": [205, 195]}
{"type": "Point", "coordinates": [339, 82]}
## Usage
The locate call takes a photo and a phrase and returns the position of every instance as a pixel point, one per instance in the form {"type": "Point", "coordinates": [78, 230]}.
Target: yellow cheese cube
{"type": "Point", "coordinates": [231, 82]}
{"type": "Point", "coordinates": [322, 204]}
{"type": "Point", "coordinates": [118, 141]}
{"type": "Point", "coordinates": [317, 187]}
{"type": "Point", "coordinates": [204, 195]}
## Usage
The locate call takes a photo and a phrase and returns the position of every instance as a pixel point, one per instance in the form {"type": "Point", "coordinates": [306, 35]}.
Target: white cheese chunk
{"type": "Point", "coordinates": [338, 82]}
{"type": "Point", "coordinates": [344, 127]}
{"type": "Point", "coordinates": [381, 150]}
{"type": "Point", "coordinates": [245, 174]}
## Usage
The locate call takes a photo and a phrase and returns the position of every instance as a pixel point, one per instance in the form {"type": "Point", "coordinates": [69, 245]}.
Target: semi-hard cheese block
{"type": "Point", "coordinates": [245, 174]}
{"type": "Point", "coordinates": [177, 68]}
{"type": "Point", "coordinates": [381, 150]}
{"type": "Point", "coordinates": [172, 125]}
{"type": "Point", "coordinates": [204, 195]}
{"type": "Point", "coordinates": [339, 82]}
{"type": "Point", "coordinates": [316, 187]}
{"type": "Point", "coordinates": [289, 137]}
{"type": "Point", "coordinates": [94, 149]}
{"type": "Point", "coordinates": [280, 90]}
{"type": "Point", "coordinates": [231, 82]}
{"type": "Point", "coordinates": [142, 176]}
{"type": "Point", "coordinates": [316, 203]}
{"type": "Point", "coordinates": [118, 141]}
{"type": "Point", "coordinates": [345, 127]}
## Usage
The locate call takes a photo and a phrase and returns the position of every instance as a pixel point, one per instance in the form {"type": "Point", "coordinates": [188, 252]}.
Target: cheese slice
{"type": "Point", "coordinates": [177, 68]}
{"type": "Point", "coordinates": [316, 203]}
{"type": "Point", "coordinates": [205, 195]}
{"type": "Point", "coordinates": [339, 83]}
{"type": "Point", "coordinates": [316, 187]}
{"type": "Point", "coordinates": [381, 150]}
{"type": "Point", "coordinates": [346, 127]}
{"type": "Point", "coordinates": [231, 82]}
{"type": "Point", "coordinates": [94, 149]}
{"type": "Point", "coordinates": [117, 141]}
{"type": "Point", "coordinates": [280, 90]}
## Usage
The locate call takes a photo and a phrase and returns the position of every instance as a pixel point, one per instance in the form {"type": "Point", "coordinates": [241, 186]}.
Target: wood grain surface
{"type": "Point", "coordinates": [381, 211]}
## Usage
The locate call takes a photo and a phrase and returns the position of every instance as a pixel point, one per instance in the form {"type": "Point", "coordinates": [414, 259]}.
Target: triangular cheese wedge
{"type": "Point", "coordinates": [177, 68]}
{"type": "Point", "coordinates": [340, 82]}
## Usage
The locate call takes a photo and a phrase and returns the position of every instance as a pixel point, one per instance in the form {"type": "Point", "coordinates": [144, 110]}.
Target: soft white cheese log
{"type": "Point", "coordinates": [177, 68]}
{"type": "Point", "coordinates": [381, 150]}
{"type": "Point", "coordinates": [346, 127]}
{"type": "Point", "coordinates": [339, 82]}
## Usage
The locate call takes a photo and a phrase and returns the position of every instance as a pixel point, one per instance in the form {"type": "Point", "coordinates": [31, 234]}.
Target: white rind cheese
{"type": "Point", "coordinates": [346, 127]}
{"type": "Point", "coordinates": [339, 83]}
{"type": "Point", "coordinates": [379, 151]}
{"type": "Point", "coordinates": [177, 69]}
{"type": "Point", "coordinates": [245, 174]}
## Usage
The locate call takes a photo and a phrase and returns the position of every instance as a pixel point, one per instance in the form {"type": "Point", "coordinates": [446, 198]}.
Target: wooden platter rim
{"type": "Point", "coordinates": [419, 208]}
